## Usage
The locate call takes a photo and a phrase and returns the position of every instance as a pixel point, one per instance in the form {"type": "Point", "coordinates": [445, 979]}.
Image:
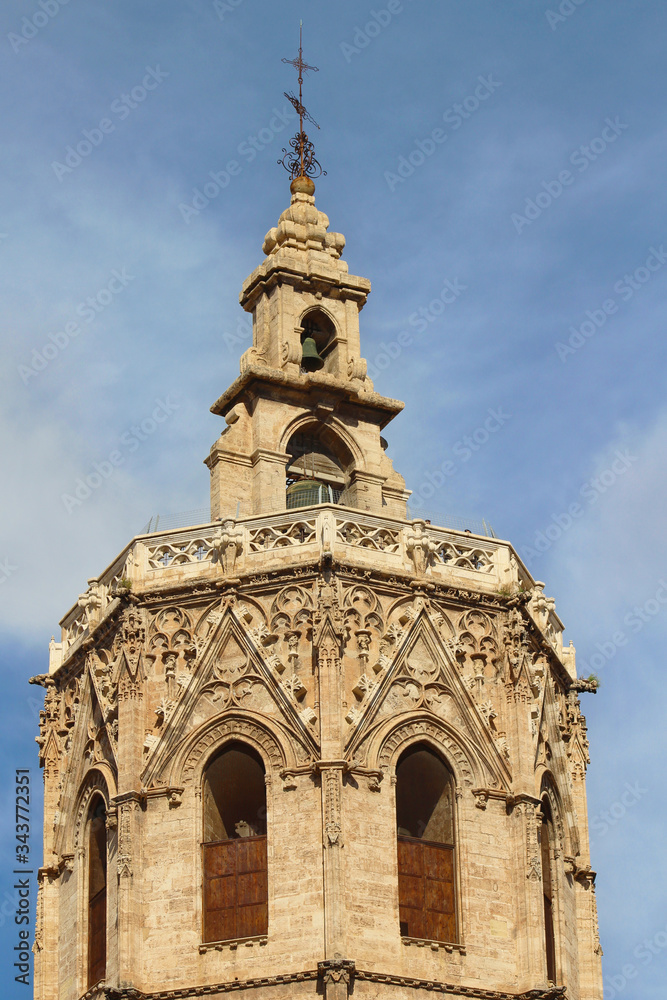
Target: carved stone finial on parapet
{"type": "Point", "coordinates": [228, 544]}
{"type": "Point", "coordinates": [91, 602]}
{"type": "Point", "coordinates": [419, 547]}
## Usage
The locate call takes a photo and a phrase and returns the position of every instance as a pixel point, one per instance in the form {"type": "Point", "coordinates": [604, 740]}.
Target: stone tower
{"type": "Point", "coordinates": [313, 746]}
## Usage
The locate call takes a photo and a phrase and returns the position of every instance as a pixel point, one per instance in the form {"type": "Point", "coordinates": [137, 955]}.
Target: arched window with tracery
{"type": "Point", "coordinates": [546, 835]}
{"type": "Point", "coordinates": [426, 847]}
{"type": "Point", "coordinates": [317, 467]}
{"type": "Point", "coordinates": [234, 847]}
{"type": "Point", "coordinates": [97, 891]}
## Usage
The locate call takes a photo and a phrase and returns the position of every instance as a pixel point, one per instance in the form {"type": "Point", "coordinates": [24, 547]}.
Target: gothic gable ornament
{"type": "Point", "coordinates": [232, 677]}
{"type": "Point", "coordinates": [424, 682]}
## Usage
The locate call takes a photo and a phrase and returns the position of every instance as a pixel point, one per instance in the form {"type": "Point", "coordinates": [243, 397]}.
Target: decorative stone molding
{"type": "Point", "coordinates": [227, 543]}
{"type": "Point", "coordinates": [336, 970]}
{"type": "Point", "coordinates": [223, 732]}
{"type": "Point", "coordinates": [419, 547]}
{"type": "Point", "coordinates": [233, 945]}
{"type": "Point", "coordinates": [357, 368]}
{"type": "Point", "coordinates": [412, 731]}
{"type": "Point", "coordinates": [481, 797]}
{"type": "Point", "coordinates": [92, 602]}
{"type": "Point", "coordinates": [445, 946]}
{"type": "Point", "coordinates": [94, 782]}
{"type": "Point", "coordinates": [331, 776]}
{"type": "Point", "coordinates": [458, 990]}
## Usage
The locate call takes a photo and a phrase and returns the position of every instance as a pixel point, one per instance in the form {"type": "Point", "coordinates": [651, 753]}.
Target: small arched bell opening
{"type": "Point", "coordinates": [317, 341]}
{"type": "Point", "coordinates": [426, 847]}
{"type": "Point", "coordinates": [97, 891]}
{"type": "Point", "coordinates": [234, 848]}
{"type": "Point", "coordinates": [546, 836]}
{"type": "Point", "coordinates": [315, 473]}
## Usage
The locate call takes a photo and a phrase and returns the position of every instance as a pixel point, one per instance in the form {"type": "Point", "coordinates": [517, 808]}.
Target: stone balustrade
{"type": "Point", "coordinates": [323, 534]}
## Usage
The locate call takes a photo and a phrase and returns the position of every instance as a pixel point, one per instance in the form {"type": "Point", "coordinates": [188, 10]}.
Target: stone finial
{"type": "Point", "coordinates": [228, 544]}
{"type": "Point", "coordinates": [419, 547]}
{"type": "Point", "coordinates": [303, 227]}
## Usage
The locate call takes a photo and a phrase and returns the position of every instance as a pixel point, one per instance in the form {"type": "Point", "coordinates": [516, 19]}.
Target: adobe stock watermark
{"type": "Point", "coordinates": [88, 310]}
{"type": "Point", "coordinates": [625, 288]}
{"type": "Point", "coordinates": [635, 620]}
{"type": "Point", "coordinates": [419, 321]}
{"type": "Point", "coordinates": [121, 108]}
{"type": "Point", "coordinates": [644, 952]}
{"type": "Point", "coordinates": [606, 819]}
{"type": "Point", "coordinates": [363, 36]}
{"type": "Point", "coordinates": [563, 13]}
{"type": "Point", "coordinates": [591, 490]}
{"type": "Point", "coordinates": [581, 158]}
{"type": "Point", "coordinates": [462, 451]}
{"type": "Point", "coordinates": [454, 117]}
{"type": "Point", "coordinates": [241, 335]}
{"type": "Point", "coordinates": [129, 442]}
{"type": "Point", "coordinates": [32, 25]}
{"type": "Point", "coordinates": [223, 7]}
{"type": "Point", "coordinates": [248, 150]}
{"type": "Point", "coordinates": [7, 569]}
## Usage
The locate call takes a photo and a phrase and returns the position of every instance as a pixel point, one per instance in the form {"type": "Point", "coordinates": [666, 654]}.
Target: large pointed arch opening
{"type": "Point", "coordinates": [547, 843]}
{"type": "Point", "coordinates": [235, 882]}
{"type": "Point", "coordinates": [319, 466]}
{"type": "Point", "coordinates": [96, 838]}
{"type": "Point", "coordinates": [425, 825]}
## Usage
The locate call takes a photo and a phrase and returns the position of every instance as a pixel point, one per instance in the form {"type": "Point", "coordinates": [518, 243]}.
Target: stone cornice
{"type": "Point", "coordinates": [104, 992]}
{"type": "Point", "coordinates": [314, 382]}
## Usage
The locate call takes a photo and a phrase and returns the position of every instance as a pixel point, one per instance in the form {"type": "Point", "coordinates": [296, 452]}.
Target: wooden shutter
{"type": "Point", "coordinates": [426, 893]}
{"type": "Point", "coordinates": [547, 889]}
{"type": "Point", "coordinates": [235, 889]}
{"type": "Point", "coordinates": [97, 937]}
{"type": "Point", "coordinates": [411, 888]}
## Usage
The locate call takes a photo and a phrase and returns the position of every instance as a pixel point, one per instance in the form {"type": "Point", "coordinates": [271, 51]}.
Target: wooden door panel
{"type": "Point", "coordinates": [438, 862]}
{"type": "Point", "coordinates": [439, 896]}
{"type": "Point", "coordinates": [97, 938]}
{"type": "Point", "coordinates": [412, 922]}
{"type": "Point", "coordinates": [251, 854]}
{"type": "Point", "coordinates": [411, 891]}
{"type": "Point", "coordinates": [441, 927]}
{"type": "Point", "coordinates": [251, 888]}
{"type": "Point", "coordinates": [220, 893]}
{"type": "Point", "coordinates": [220, 925]}
{"type": "Point", "coordinates": [252, 920]}
{"type": "Point", "coordinates": [410, 857]}
{"type": "Point", "coordinates": [235, 889]}
{"type": "Point", "coordinates": [219, 859]}
{"type": "Point", "coordinates": [426, 890]}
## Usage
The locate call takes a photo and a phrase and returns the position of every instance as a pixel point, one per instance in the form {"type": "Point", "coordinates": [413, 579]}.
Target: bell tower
{"type": "Point", "coordinates": [303, 406]}
{"type": "Point", "coordinates": [314, 747]}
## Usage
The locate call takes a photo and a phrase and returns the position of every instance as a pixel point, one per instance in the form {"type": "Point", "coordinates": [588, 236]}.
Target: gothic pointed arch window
{"type": "Point", "coordinates": [96, 837]}
{"type": "Point", "coordinates": [234, 845]}
{"type": "Point", "coordinates": [317, 468]}
{"type": "Point", "coordinates": [426, 847]}
{"type": "Point", "coordinates": [547, 840]}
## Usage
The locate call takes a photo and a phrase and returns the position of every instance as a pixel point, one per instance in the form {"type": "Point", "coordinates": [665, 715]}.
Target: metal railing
{"type": "Point", "coordinates": [202, 515]}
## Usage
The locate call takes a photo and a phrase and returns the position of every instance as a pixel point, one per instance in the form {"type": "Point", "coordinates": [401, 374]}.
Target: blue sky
{"type": "Point", "coordinates": [541, 199]}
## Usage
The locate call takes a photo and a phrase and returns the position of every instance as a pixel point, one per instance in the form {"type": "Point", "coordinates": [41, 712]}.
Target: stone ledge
{"type": "Point", "coordinates": [448, 946]}
{"type": "Point", "coordinates": [247, 942]}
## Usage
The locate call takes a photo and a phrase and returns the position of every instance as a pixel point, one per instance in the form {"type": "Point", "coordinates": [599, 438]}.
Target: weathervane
{"type": "Point", "coordinates": [299, 160]}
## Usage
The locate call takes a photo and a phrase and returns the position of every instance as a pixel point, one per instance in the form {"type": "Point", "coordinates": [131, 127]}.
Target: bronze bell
{"type": "Point", "coordinates": [310, 359]}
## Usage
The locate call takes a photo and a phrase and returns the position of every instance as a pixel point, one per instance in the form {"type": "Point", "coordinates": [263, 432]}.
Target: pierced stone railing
{"type": "Point", "coordinates": [265, 543]}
